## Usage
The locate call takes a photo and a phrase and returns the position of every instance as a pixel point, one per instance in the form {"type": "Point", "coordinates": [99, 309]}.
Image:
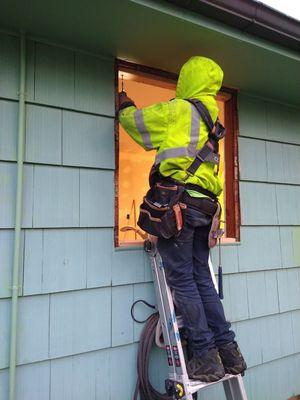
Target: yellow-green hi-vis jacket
{"type": "Point", "coordinates": [175, 128]}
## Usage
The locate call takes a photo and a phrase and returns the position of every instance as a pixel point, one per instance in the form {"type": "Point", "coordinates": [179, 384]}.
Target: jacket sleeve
{"type": "Point", "coordinates": [147, 126]}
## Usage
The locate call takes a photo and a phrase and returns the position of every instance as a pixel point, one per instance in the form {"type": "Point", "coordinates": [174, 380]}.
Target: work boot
{"type": "Point", "coordinates": [207, 367]}
{"type": "Point", "coordinates": [232, 358]}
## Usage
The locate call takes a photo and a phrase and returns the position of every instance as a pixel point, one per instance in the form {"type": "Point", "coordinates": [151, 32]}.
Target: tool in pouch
{"type": "Point", "coordinates": [122, 83]}
{"type": "Point", "coordinates": [161, 213]}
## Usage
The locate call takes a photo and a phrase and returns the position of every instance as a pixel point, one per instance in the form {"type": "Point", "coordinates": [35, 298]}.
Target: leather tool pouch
{"type": "Point", "coordinates": [161, 213]}
{"type": "Point", "coordinates": [215, 232]}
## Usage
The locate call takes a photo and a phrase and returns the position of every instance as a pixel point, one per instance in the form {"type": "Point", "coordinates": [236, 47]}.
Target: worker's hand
{"type": "Point", "coordinates": [124, 100]}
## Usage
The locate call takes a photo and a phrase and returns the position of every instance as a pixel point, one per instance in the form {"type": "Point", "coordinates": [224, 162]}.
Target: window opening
{"type": "Point", "coordinates": [134, 163]}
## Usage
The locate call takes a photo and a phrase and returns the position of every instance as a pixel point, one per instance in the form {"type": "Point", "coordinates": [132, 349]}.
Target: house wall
{"type": "Point", "coordinates": [76, 338]}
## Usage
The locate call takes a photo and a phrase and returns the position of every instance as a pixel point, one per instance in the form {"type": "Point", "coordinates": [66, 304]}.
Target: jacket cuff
{"type": "Point", "coordinates": [126, 104]}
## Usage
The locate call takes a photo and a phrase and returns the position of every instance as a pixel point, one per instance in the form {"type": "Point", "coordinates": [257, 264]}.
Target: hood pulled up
{"type": "Point", "coordinates": [200, 78]}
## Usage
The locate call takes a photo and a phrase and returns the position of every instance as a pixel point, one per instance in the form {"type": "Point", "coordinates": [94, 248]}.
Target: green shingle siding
{"type": "Point", "coordinates": [75, 329]}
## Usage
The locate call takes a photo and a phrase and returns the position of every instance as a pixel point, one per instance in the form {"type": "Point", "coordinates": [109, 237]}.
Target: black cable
{"type": "Point", "coordinates": [144, 387]}
{"type": "Point", "coordinates": [132, 309]}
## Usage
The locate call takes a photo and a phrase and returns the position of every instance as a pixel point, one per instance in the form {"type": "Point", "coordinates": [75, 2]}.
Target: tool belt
{"type": "Point", "coordinates": [161, 213]}
{"type": "Point", "coordinates": [210, 207]}
{"type": "Point", "coordinates": [156, 176]}
{"type": "Point", "coordinates": [163, 208]}
{"type": "Point", "coordinates": [203, 204]}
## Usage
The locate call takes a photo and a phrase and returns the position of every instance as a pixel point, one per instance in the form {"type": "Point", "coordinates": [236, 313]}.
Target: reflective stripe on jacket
{"type": "Point", "coordinates": [174, 129]}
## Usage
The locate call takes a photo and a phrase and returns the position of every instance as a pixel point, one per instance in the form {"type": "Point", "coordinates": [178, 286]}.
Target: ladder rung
{"type": "Point", "coordinates": [194, 386]}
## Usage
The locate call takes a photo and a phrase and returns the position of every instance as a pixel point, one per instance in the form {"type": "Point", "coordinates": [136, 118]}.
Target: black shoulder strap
{"type": "Point", "coordinates": [209, 152]}
{"type": "Point", "coordinates": [203, 111]}
{"type": "Point", "coordinates": [216, 130]}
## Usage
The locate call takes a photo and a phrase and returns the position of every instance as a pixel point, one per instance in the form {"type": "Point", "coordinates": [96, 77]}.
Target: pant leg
{"type": "Point", "coordinates": [212, 304]}
{"type": "Point", "coordinates": [177, 257]}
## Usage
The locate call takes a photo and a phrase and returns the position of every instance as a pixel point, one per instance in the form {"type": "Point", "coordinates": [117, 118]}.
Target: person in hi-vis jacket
{"type": "Point", "coordinates": [175, 130]}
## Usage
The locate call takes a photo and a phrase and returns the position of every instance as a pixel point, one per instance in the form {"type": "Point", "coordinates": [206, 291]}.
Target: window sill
{"type": "Point", "coordinates": [138, 245]}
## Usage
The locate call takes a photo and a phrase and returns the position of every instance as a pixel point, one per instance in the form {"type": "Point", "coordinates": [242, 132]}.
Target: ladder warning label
{"type": "Point", "coordinates": [176, 356]}
{"type": "Point", "coordinates": [169, 356]}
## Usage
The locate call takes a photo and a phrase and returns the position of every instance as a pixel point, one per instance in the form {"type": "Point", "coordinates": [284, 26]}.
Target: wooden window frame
{"type": "Point", "coordinates": [232, 197]}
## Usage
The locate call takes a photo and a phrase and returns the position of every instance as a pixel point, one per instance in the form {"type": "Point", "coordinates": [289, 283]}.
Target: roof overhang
{"type": "Point", "coordinates": [249, 16]}
{"type": "Point", "coordinates": [161, 35]}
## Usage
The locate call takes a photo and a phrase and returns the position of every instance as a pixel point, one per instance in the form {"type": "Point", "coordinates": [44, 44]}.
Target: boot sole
{"type": "Point", "coordinates": [238, 369]}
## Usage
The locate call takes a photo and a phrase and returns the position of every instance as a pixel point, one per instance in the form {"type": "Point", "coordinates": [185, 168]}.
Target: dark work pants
{"type": "Point", "coordinates": [185, 259]}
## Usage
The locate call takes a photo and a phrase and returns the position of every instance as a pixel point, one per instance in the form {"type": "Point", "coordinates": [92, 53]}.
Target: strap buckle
{"type": "Point", "coordinates": [216, 158]}
{"type": "Point", "coordinates": [218, 131]}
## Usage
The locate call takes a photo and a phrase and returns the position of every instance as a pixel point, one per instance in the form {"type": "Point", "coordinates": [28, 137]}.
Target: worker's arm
{"type": "Point", "coordinates": [147, 126]}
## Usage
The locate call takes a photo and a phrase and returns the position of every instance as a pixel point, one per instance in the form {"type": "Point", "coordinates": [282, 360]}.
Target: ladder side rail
{"type": "Point", "coordinates": [170, 330]}
{"type": "Point", "coordinates": [234, 388]}
{"type": "Point", "coordinates": [163, 317]}
{"type": "Point", "coordinates": [173, 325]}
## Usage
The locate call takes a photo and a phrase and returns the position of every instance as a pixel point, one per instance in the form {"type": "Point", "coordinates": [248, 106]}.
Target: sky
{"type": "Point", "coordinates": [289, 7]}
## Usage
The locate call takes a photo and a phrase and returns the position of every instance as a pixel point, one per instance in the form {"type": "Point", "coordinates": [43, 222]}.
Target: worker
{"type": "Point", "coordinates": [175, 131]}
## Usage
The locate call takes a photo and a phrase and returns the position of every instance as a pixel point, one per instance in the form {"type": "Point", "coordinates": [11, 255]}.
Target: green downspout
{"type": "Point", "coordinates": [18, 221]}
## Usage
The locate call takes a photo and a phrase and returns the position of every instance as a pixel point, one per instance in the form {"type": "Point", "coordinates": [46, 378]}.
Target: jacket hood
{"type": "Point", "coordinates": [200, 78]}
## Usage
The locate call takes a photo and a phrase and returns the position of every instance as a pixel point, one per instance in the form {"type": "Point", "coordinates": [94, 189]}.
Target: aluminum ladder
{"type": "Point", "coordinates": [178, 383]}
